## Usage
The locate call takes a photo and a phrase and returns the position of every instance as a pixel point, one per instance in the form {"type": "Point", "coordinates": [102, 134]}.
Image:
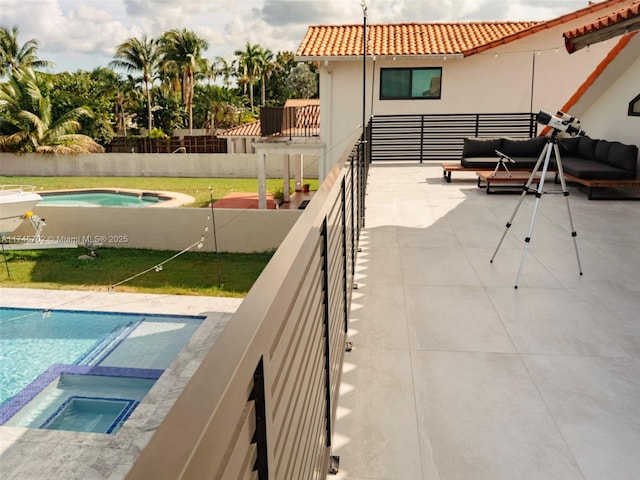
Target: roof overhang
{"type": "Point", "coordinates": [618, 23]}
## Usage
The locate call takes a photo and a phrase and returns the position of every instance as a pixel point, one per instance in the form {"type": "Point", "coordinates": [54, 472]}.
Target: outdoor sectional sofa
{"type": "Point", "coordinates": [593, 163]}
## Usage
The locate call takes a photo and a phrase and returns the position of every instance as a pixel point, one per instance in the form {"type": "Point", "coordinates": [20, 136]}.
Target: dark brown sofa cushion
{"type": "Point", "coordinates": [587, 148]}
{"type": "Point", "coordinates": [481, 147]}
{"type": "Point", "coordinates": [623, 156]}
{"type": "Point", "coordinates": [523, 147]}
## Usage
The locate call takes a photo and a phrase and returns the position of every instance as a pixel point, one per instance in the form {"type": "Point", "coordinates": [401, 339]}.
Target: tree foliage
{"type": "Point", "coordinates": [13, 56]}
{"type": "Point", "coordinates": [97, 92]}
{"type": "Point", "coordinates": [27, 123]}
{"type": "Point", "coordinates": [164, 83]}
{"type": "Point", "coordinates": [181, 52]}
{"type": "Point", "coordinates": [302, 82]}
{"type": "Point", "coordinates": [139, 55]}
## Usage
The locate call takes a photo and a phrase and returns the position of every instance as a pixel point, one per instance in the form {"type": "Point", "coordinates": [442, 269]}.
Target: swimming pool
{"type": "Point", "coordinates": [102, 198]}
{"type": "Point", "coordinates": [82, 370]}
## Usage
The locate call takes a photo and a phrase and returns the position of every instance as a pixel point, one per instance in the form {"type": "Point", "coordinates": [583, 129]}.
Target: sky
{"type": "Point", "coordinates": [83, 34]}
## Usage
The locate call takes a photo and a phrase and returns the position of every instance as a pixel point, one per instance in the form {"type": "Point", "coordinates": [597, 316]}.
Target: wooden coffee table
{"type": "Point", "coordinates": [503, 181]}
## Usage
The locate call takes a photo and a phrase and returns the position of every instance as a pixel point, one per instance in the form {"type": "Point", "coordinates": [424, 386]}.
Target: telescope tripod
{"type": "Point", "coordinates": [543, 160]}
{"type": "Point", "coordinates": [501, 163]}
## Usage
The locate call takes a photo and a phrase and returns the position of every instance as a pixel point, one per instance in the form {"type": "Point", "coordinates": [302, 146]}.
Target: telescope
{"type": "Point", "coordinates": [561, 122]}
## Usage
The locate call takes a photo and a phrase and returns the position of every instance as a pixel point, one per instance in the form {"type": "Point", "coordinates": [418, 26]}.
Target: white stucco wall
{"type": "Point", "coordinates": [174, 229]}
{"type": "Point", "coordinates": [150, 165]}
{"type": "Point", "coordinates": [607, 116]}
{"type": "Point", "coordinates": [496, 81]}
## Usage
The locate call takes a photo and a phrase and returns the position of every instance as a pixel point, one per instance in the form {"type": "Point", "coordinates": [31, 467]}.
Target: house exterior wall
{"type": "Point", "coordinates": [529, 74]}
{"type": "Point", "coordinates": [607, 116]}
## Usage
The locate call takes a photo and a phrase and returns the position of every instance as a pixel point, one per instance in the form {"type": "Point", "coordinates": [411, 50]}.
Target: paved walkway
{"type": "Point", "coordinates": [455, 374]}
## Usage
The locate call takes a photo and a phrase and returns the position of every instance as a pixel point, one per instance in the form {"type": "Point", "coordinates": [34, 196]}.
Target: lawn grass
{"type": "Point", "coordinates": [192, 273]}
{"type": "Point", "coordinates": [196, 187]}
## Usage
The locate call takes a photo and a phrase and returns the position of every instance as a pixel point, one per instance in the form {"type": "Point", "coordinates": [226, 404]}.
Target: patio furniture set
{"type": "Point", "coordinates": [589, 162]}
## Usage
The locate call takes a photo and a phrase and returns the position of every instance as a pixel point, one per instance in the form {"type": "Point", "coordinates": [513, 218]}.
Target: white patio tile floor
{"type": "Point", "coordinates": [457, 375]}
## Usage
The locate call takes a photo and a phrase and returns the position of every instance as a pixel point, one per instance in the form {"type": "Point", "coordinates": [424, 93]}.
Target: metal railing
{"type": "Point", "coordinates": [439, 137]}
{"type": "Point", "coordinates": [263, 402]}
{"type": "Point", "coordinates": [303, 121]}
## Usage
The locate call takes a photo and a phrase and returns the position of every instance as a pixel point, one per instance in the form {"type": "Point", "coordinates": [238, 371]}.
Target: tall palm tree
{"type": "Point", "coordinates": [224, 69]}
{"type": "Point", "coordinates": [250, 66]}
{"type": "Point", "coordinates": [135, 55]}
{"type": "Point", "coordinates": [13, 56]}
{"type": "Point", "coordinates": [26, 123]}
{"type": "Point", "coordinates": [269, 67]}
{"type": "Point", "coordinates": [182, 54]}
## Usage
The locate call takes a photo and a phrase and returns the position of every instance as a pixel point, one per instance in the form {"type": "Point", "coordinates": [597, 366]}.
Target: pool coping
{"type": "Point", "coordinates": [34, 454]}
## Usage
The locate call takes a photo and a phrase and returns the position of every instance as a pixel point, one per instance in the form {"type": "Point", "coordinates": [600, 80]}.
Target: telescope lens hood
{"type": "Point", "coordinates": [543, 117]}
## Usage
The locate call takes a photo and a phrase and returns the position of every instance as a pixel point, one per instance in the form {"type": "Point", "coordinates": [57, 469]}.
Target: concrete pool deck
{"type": "Point", "coordinates": [44, 454]}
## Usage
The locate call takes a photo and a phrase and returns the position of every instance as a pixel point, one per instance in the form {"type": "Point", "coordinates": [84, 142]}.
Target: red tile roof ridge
{"type": "Point", "coordinates": [346, 40]}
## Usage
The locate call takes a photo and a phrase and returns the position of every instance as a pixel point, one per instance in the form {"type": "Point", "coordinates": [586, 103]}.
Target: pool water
{"type": "Point", "coordinates": [90, 414]}
{"type": "Point", "coordinates": [58, 366]}
{"type": "Point", "coordinates": [97, 198]}
{"type": "Point", "coordinates": [83, 403]}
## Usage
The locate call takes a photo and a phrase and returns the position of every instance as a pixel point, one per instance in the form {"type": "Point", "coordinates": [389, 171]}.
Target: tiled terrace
{"type": "Point", "coordinates": [454, 374]}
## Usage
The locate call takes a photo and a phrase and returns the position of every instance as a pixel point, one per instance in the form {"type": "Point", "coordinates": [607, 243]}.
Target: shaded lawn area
{"type": "Point", "coordinates": [192, 273]}
{"type": "Point", "coordinates": [196, 187]}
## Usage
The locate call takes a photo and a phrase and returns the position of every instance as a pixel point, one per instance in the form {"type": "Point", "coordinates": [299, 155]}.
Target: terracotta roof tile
{"type": "Point", "coordinates": [246, 130]}
{"type": "Point", "coordinates": [301, 102]}
{"type": "Point", "coordinates": [325, 41]}
{"type": "Point", "coordinates": [404, 38]}
{"type": "Point", "coordinates": [623, 15]}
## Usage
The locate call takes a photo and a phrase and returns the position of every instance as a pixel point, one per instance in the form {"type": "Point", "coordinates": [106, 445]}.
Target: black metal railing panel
{"type": "Point", "coordinates": [439, 137]}
{"type": "Point", "coordinates": [302, 121]}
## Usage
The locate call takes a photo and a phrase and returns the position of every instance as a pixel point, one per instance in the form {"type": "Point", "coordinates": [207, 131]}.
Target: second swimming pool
{"type": "Point", "coordinates": [64, 369]}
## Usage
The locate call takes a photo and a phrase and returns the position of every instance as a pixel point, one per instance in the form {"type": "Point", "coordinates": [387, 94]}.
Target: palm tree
{"type": "Point", "coordinates": [216, 107]}
{"type": "Point", "coordinates": [268, 69]}
{"type": "Point", "coordinates": [182, 55]}
{"type": "Point", "coordinates": [26, 123]}
{"type": "Point", "coordinates": [136, 55]}
{"type": "Point", "coordinates": [250, 66]}
{"type": "Point", "coordinates": [224, 69]}
{"type": "Point", "coordinates": [13, 56]}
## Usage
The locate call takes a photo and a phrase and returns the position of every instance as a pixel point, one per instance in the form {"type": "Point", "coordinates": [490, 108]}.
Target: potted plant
{"type": "Point", "coordinates": [278, 197]}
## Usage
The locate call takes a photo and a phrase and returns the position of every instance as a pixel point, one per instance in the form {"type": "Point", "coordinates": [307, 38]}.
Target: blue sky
{"type": "Point", "coordinates": [83, 34]}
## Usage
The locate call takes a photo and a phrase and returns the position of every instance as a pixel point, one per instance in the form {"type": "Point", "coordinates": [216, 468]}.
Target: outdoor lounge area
{"type": "Point", "coordinates": [454, 373]}
{"type": "Point", "coordinates": [590, 162]}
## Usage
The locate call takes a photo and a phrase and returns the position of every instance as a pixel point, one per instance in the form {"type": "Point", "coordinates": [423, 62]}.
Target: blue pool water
{"type": "Point", "coordinates": [100, 198]}
{"type": "Point", "coordinates": [89, 414]}
{"type": "Point", "coordinates": [100, 359]}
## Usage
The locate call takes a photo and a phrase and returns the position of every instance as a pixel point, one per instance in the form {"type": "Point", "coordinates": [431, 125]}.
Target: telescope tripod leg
{"type": "Point", "coordinates": [525, 190]}
{"type": "Point", "coordinates": [498, 165]}
{"type": "Point", "coordinates": [527, 240]}
{"type": "Point", "coordinates": [565, 193]}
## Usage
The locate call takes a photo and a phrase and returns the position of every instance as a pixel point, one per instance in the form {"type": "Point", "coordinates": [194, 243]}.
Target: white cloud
{"type": "Point", "coordinates": [84, 34]}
